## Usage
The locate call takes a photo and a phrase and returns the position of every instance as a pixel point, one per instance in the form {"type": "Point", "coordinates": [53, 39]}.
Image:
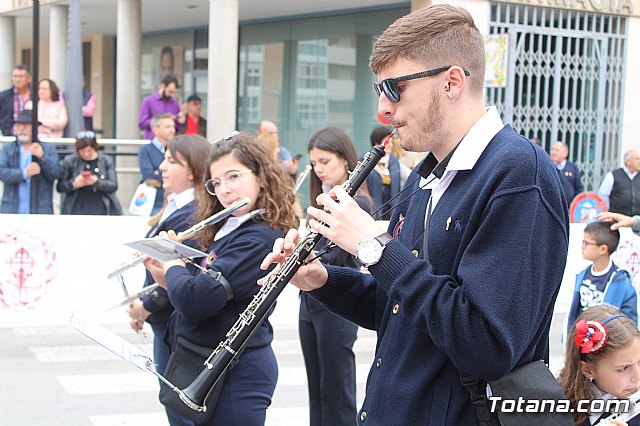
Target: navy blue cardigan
{"type": "Point", "coordinates": [205, 315]}
{"type": "Point", "coordinates": [498, 242]}
{"type": "Point", "coordinates": [158, 301]}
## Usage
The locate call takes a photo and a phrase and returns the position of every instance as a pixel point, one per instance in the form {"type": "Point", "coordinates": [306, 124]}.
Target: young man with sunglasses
{"type": "Point", "coordinates": [476, 296]}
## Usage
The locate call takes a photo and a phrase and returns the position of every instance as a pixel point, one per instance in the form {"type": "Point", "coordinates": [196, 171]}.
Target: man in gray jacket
{"type": "Point", "coordinates": [28, 168]}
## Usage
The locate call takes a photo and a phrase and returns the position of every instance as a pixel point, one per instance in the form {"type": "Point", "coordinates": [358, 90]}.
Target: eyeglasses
{"type": "Point", "coordinates": [231, 180]}
{"type": "Point", "coordinates": [86, 134]}
{"type": "Point", "coordinates": [389, 86]}
{"type": "Point", "coordinates": [588, 243]}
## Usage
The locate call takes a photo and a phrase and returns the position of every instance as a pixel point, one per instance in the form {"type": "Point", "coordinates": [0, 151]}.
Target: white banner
{"type": "Point", "coordinates": [53, 265]}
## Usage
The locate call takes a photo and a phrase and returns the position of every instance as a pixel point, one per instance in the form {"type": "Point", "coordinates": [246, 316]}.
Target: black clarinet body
{"type": "Point", "coordinates": [250, 319]}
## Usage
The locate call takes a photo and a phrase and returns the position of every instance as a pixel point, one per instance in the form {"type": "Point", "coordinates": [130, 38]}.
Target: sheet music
{"type": "Point", "coordinates": [114, 343]}
{"type": "Point", "coordinates": [164, 249]}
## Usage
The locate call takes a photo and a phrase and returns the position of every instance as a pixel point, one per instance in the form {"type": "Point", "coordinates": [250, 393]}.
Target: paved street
{"type": "Point", "coordinates": [56, 376]}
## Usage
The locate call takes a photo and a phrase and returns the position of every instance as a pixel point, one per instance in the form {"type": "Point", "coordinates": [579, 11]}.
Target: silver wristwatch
{"type": "Point", "coordinates": [370, 251]}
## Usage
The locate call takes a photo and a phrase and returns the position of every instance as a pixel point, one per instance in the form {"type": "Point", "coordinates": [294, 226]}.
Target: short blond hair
{"type": "Point", "coordinates": [437, 36]}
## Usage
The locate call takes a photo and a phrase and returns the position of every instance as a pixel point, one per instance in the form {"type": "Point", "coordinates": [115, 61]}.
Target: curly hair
{"type": "Point", "coordinates": [276, 195]}
{"type": "Point", "coordinates": [55, 90]}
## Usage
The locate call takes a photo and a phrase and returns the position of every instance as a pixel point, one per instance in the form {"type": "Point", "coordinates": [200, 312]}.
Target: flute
{"type": "Point", "coordinates": [184, 235]}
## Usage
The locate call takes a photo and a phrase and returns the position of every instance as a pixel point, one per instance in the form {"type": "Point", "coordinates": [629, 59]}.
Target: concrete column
{"type": "Point", "coordinates": [223, 68]}
{"type": "Point", "coordinates": [128, 60]}
{"type": "Point", "coordinates": [57, 44]}
{"type": "Point", "coordinates": [7, 44]}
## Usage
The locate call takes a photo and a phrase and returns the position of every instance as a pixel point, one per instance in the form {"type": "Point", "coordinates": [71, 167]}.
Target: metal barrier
{"type": "Point", "coordinates": [123, 151]}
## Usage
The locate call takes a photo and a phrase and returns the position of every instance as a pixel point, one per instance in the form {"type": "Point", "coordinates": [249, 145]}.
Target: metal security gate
{"type": "Point", "coordinates": [564, 82]}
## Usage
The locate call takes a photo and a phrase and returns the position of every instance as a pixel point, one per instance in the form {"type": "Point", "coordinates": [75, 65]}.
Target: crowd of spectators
{"type": "Point", "coordinates": [162, 117]}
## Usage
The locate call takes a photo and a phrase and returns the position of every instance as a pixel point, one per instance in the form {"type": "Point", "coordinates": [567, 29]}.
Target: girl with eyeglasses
{"type": "Point", "coordinates": [208, 303]}
{"type": "Point", "coordinates": [89, 180]}
{"type": "Point", "coordinates": [183, 170]}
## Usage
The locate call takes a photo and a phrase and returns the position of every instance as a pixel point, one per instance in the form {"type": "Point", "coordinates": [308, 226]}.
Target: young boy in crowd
{"type": "Point", "coordinates": [602, 282]}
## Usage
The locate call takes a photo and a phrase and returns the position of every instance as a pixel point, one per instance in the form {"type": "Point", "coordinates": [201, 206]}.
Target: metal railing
{"type": "Point", "coordinates": [123, 151]}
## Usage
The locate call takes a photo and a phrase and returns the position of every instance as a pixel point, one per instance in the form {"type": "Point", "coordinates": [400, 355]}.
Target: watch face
{"type": "Point", "coordinates": [369, 251]}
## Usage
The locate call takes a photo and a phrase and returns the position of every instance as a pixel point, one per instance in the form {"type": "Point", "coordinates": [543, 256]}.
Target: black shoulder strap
{"type": "Point", "coordinates": [477, 389]}
{"type": "Point", "coordinates": [217, 275]}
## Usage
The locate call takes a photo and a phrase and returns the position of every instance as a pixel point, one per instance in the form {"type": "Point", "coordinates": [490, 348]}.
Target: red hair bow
{"type": "Point", "coordinates": [591, 336]}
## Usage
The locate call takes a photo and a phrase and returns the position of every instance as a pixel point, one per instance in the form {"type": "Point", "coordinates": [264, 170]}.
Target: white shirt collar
{"type": "Point", "coordinates": [183, 198]}
{"type": "Point", "coordinates": [234, 223]}
{"type": "Point", "coordinates": [560, 166]}
{"type": "Point", "coordinates": [177, 201]}
{"type": "Point", "coordinates": [471, 147]}
{"type": "Point", "coordinates": [599, 395]}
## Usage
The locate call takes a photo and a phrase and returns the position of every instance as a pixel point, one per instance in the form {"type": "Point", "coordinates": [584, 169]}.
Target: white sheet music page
{"type": "Point", "coordinates": [110, 341]}
{"type": "Point", "coordinates": [164, 249]}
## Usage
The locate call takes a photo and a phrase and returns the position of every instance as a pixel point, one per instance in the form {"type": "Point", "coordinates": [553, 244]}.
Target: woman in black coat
{"type": "Point", "coordinates": [89, 180]}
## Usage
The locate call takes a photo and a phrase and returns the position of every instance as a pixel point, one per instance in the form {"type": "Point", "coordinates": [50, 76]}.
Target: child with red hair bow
{"type": "Point", "coordinates": [602, 361]}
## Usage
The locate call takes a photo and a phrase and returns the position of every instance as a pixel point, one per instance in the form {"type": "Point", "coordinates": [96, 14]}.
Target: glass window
{"type": "Point", "coordinates": [311, 73]}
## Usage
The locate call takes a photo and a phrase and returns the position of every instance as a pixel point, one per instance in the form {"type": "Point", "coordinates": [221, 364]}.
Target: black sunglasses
{"type": "Point", "coordinates": [389, 86]}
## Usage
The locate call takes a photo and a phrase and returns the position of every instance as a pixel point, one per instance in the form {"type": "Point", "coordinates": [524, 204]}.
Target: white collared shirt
{"type": "Point", "coordinates": [234, 223]}
{"type": "Point", "coordinates": [560, 166]}
{"type": "Point", "coordinates": [177, 201]}
{"type": "Point", "coordinates": [466, 155]}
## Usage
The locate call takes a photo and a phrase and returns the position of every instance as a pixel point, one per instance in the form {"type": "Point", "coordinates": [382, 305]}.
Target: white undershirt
{"type": "Point", "coordinates": [177, 201]}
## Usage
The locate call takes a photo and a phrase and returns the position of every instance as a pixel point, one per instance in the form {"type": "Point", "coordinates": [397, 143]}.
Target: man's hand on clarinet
{"type": "Point", "coordinates": [307, 278]}
{"type": "Point", "coordinates": [347, 224]}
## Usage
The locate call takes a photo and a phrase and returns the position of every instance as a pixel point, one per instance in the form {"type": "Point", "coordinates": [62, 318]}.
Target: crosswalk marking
{"type": "Point", "coordinates": [92, 384]}
{"type": "Point", "coordinates": [78, 353]}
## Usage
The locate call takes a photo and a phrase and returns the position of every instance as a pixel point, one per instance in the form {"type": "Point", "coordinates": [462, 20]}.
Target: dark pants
{"type": "Point", "coordinates": [247, 390]}
{"type": "Point", "coordinates": [327, 345]}
{"type": "Point", "coordinates": [161, 354]}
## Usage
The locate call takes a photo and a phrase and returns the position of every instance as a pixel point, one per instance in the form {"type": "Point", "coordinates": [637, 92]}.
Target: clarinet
{"type": "Point", "coordinates": [250, 319]}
